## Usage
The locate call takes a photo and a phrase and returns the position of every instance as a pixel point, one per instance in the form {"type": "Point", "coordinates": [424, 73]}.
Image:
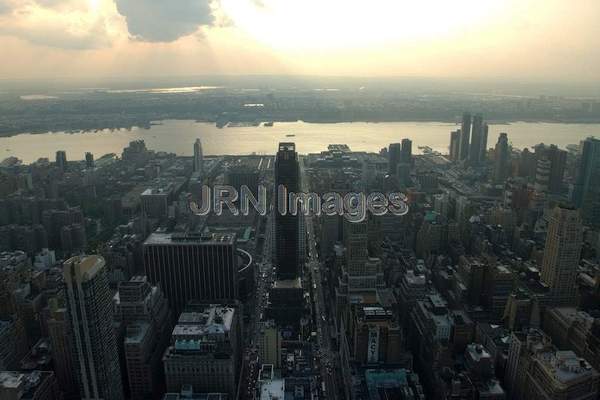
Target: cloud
{"type": "Point", "coordinates": [67, 24]}
{"type": "Point", "coordinates": [165, 21]}
{"type": "Point", "coordinates": [5, 6]}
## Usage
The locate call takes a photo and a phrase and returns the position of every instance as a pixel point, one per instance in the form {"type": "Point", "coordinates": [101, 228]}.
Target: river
{"type": "Point", "coordinates": [178, 137]}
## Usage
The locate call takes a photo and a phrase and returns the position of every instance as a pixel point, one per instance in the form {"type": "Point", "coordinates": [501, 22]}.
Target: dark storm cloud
{"type": "Point", "coordinates": [165, 21]}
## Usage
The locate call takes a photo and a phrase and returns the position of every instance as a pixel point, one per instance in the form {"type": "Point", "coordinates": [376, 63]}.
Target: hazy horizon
{"type": "Point", "coordinates": [502, 41]}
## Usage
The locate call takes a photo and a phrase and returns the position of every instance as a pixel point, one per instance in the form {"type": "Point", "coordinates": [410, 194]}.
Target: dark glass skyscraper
{"type": "Point", "coordinates": [406, 152]}
{"type": "Point", "coordinates": [192, 267]}
{"type": "Point", "coordinates": [501, 163]}
{"type": "Point", "coordinates": [287, 226]}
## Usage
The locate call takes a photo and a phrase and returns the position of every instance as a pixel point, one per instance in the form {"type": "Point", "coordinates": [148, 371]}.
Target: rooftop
{"type": "Point", "coordinates": [565, 366]}
{"type": "Point", "coordinates": [272, 390]}
{"type": "Point", "coordinates": [157, 238]}
{"type": "Point", "coordinates": [215, 320]}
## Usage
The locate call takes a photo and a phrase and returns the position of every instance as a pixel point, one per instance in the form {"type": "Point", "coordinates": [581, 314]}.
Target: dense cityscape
{"type": "Point", "coordinates": [112, 287]}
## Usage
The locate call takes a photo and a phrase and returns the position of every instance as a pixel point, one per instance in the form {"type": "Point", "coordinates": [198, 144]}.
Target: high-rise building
{"type": "Point", "coordinates": [198, 156]}
{"type": "Point", "coordinates": [287, 226]}
{"type": "Point", "coordinates": [465, 134]}
{"type": "Point", "coordinates": [62, 352]}
{"type": "Point", "coordinates": [61, 159]}
{"type": "Point", "coordinates": [192, 267]}
{"type": "Point", "coordinates": [586, 194]}
{"type": "Point", "coordinates": [89, 309]}
{"type": "Point", "coordinates": [363, 272]}
{"type": "Point", "coordinates": [394, 154]}
{"type": "Point", "coordinates": [476, 140]}
{"type": "Point", "coordinates": [502, 158]}
{"type": "Point", "coordinates": [557, 159]}
{"type": "Point", "coordinates": [89, 160]}
{"type": "Point", "coordinates": [406, 152]}
{"type": "Point", "coordinates": [205, 350]}
{"type": "Point", "coordinates": [143, 320]}
{"type": "Point", "coordinates": [454, 150]}
{"type": "Point", "coordinates": [561, 255]}
{"type": "Point", "coordinates": [484, 140]}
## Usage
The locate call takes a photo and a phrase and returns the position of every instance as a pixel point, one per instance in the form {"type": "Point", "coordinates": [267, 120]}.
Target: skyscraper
{"type": "Point", "coordinates": [394, 154]}
{"type": "Point", "coordinates": [357, 255]}
{"type": "Point", "coordinates": [406, 152]}
{"type": "Point", "coordinates": [61, 159]}
{"type": "Point", "coordinates": [586, 194]}
{"type": "Point", "coordinates": [455, 145]}
{"type": "Point", "coordinates": [465, 134]}
{"type": "Point", "coordinates": [89, 160]}
{"type": "Point", "coordinates": [142, 317]}
{"type": "Point", "coordinates": [198, 156]}
{"type": "Point", "coordinates": [192, 267]}
{"type": "Point", "coordinates": [484, 140]}
{"type": "Point", "coordinates": [558, 160]}
{"type": "Point", "coordinates": [476, 138]}
{"type": "Point", "coordinates": [501, 162]}
{"type": "Point", "coordinates": [89, 309]}
{"type": "Point", "coordinates": [287, 226]}
{"type": "Point", "coordinates": [561, 255]}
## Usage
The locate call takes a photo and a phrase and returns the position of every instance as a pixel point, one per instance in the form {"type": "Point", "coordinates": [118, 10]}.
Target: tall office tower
{"type": "Point", "coordinates": [558, 161]}
{"type": "Point", "coordinates": [542, 175]}
{"type": "Point", "coordinates": [502, 158]}
{"type": "Point", "coordinates": [476, 138]}
{"type": "Point", "coordinates": [406, 152]}
{"type": "Point", "coordinates": [287, 227]}
{"type": "Point", "coordinates": [198, 157]}
{"type": "Point", "coordinates": [465, 134]}
{"type": "Point", "coordinates": [205, 351]}
{"type": "Point", "coordinates": [62, 355]}
{"type": "Point", "coordinates": [455, 145]}
{"type": "Point", "coordinates": [484, 140]}
{"type": "Point", "coordinates": [586, 194]}
{"type": "Point", "coordinates": [363, 272]}
{"type": "Point", "coordinates": [143, 320]}
{"type": "Point", "coordinates": [89, 160]}
{"type": "Point", "coordinates": [561, 255]}
{"type": "Point", "coordinates": [192, 267]}
{"type": "Point", "coordinates": [88, 301]}
{"type": "Point", "coordinates": [394, 154]}
{"type": "Point", "coordinates": [541, 185]}
{"type": "Point", "coordinates": [61, 159]}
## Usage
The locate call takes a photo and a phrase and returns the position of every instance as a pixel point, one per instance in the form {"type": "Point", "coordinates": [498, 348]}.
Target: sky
{"type": "Point", "coordinates": [522, 40]}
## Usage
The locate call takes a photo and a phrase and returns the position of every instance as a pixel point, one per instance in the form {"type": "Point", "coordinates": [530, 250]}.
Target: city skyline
{"type": "Point", "coordinates": [308, 200]}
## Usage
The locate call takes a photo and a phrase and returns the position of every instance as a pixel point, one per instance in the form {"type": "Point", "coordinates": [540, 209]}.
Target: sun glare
{"type": "Point", "coordinates": [350, 24]}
